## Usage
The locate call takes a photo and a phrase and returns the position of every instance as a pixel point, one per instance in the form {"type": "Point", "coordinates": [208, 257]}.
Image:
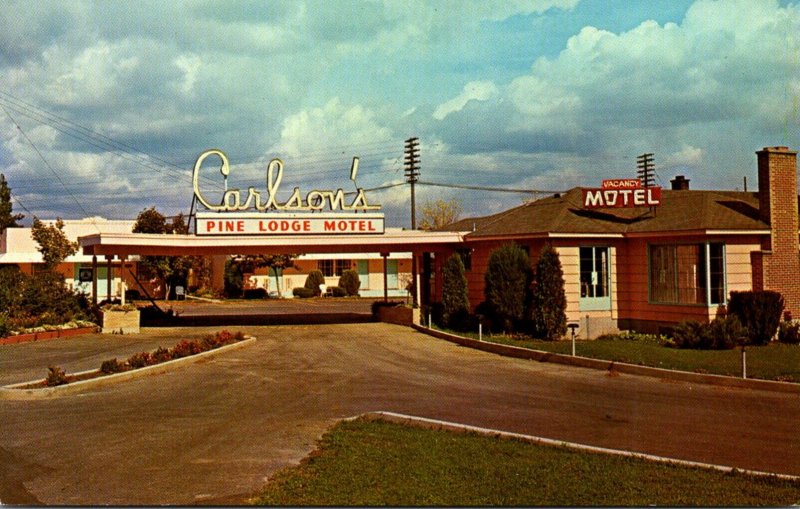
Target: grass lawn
{"type": "Point", "coordinates": [775, 361]}
{"type": "Point", "coordinates": [380, 463]}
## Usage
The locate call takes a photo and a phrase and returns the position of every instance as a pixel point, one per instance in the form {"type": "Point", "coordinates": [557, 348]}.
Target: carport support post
{"type": "Point", "coordinates": [108, 277]}
{"type": "Point", "coordinates": [385, 277]}
{"type": "Point", "coordinates": [94, 280]}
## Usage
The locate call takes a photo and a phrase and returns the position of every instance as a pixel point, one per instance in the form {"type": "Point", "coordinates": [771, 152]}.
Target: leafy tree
{"type": "Point", "coordinates": [507, 282]}
{"type": "Point", "coordinates": [276, 263]}
{"type": "Point", "coordinates": [53, 244]}
{"type": "Point", "coordinates": [548, 298]}
{"type": "Point", "coordinates": [455, 296]}
{"type": "Point", "coordinates": [439, 213]}
{"type": "Point", "coordinates": [171, 270]}
{"type": "Point", "coordinates": [7, 218]}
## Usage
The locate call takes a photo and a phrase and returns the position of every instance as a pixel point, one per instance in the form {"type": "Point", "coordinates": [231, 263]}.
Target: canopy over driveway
{"type": "Point", "coordinates": [420, 243]}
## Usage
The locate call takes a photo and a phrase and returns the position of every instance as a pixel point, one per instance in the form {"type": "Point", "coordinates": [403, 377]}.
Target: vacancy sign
{"type": "Point", "coordinates": [621, 193]}
{"type": "Point", "coordinates": [289, 224]}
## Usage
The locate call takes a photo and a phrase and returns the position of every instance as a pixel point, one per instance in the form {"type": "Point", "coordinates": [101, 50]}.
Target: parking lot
{"type": "Point", "coordinates": [212, 432]}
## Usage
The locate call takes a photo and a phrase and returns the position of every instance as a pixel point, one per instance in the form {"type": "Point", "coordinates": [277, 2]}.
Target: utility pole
{"type": "Point", "coordinates": [412, 174]}
{"type": "Point", "coordinates": [646, 170]}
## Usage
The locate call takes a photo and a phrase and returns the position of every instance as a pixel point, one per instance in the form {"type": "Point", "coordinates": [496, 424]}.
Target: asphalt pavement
{"type": "Point", "coordinates": [212, 432]}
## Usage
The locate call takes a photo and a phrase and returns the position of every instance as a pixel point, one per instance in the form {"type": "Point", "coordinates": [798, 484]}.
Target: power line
{"type": "Point", "coordinates": [487, 188]}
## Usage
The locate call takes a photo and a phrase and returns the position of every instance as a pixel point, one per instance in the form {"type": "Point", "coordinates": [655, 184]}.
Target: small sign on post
{"type": "Point", "coordinates": [180, 293]}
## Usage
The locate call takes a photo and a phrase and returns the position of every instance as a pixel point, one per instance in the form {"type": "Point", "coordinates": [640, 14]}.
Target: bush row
{"type": "Point", "coordinates": [184, 348]}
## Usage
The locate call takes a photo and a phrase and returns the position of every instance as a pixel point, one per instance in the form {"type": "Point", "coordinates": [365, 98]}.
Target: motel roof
{"type": "Point", "coordinates": [680, 212]}
{"type": "Point", "coordinates": [391, 241]}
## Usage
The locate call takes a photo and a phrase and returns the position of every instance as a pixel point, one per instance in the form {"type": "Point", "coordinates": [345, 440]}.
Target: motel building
{"type": "Point", "coordinates": [633, 258]}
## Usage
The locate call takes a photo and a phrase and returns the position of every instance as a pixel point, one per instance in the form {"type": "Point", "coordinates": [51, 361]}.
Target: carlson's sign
{"type": "Point", "coordinates": [275, 217]}
{"type": "Point", "coordinates": [621, 193]}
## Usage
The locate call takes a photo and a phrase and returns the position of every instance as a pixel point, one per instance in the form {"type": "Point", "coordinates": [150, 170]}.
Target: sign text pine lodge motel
{"type": "Point", "coordinates": [633, 257]}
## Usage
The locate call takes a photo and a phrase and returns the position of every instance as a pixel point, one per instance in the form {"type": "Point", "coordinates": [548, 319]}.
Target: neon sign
{"type": "Point", "coordinates": [234, 201]}
{"type": "Point", "coordinates": [621, 193]}
{"type": "Point", "coordinates": [298, 215]}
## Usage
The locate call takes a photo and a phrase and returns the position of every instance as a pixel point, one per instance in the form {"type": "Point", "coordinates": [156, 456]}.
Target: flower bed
{"type": "Point", "coordinates": [47, 332]}
{"type": "Point", "coordinates": [185, 348]}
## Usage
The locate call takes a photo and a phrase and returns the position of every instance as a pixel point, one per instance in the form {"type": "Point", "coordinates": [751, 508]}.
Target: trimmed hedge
{"type": "Point", "coordinates": [759, 312]}
{"type": "Point", "coordinates": [349, 282]}
{"type": "Point", "coordinates": [313, 280]}
{"type": "Point", "coordinates": [303, 292]}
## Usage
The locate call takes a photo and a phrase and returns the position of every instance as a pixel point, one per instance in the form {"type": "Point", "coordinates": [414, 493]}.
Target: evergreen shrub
{"type": "Point", "coordinates": [349, 282]}
{"type": "Point", "coordinates": [760, 312]}
{"type": "Point", "coordinates": [303, 292]}
{"type": "Point", "coordinates": [789, 333]}
{"type": "Point", "coordinates": [548, 297]}
{"type": "Point", "coordinates": [313, 280]}
{"type": "Point", "coordinates": [507, 282]}
{"type": "Point", "coordinates": [455, 296]}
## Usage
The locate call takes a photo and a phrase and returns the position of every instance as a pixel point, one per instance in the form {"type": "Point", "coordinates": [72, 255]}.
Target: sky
{"type": "Point", "coordinates": [106, 105]}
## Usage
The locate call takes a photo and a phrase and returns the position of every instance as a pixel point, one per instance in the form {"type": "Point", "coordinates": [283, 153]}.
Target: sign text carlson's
{"type": "Point", "coordinates": [298, 215]}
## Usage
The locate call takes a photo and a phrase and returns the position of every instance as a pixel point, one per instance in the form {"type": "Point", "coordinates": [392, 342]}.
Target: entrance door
{"type": "Point", "coordinates": [595, 279]}
{"type": "Point", "coordinates": [391, 274]}
{"type": "Point", "coordinates": [363, 273]}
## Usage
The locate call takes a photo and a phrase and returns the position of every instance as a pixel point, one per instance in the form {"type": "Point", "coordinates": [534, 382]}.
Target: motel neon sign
{"type": "Point", "coordinates": [253, 212]}
{"type": "Point", "coordinates": [621, 193]}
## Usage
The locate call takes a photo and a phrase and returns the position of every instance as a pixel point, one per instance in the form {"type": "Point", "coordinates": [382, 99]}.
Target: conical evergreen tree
{"type": "Point", "coordinates": [455, 296]}
{"type": "Point", "coordinates": [549, 300]}
{"type": "Point", "coordinates": [7, 218]}
{"type": "Point", "coordinates": [507, 282]}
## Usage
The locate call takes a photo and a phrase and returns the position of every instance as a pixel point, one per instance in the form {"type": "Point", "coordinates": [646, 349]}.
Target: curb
{"type": "Point", "coordinates": [618, 367]}
{"type": "Point", "coordinates": [422, 422]}
{"type": "Point", "coordinates": [13, 392]}
{"type": "Point", "coordinates": [46, 335]}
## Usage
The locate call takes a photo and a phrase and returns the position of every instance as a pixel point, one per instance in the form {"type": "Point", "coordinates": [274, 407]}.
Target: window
{"type": "Point", "coordinates": [326, 267]}
{"type": "Point", "coordinates": [594, 272]}
{"type": "Point", "coordinates": [341, 266]}
{"type": "Point", "coordinates": [331, 268]}
{"type": "Point", "coordinates": [687, 273]}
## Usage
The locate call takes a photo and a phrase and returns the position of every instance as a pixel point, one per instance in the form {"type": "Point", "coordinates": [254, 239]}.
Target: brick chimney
{"type": "Point", "coordinates": [777, 266]}
{"type": "Point", "coordinates": [680, 183]}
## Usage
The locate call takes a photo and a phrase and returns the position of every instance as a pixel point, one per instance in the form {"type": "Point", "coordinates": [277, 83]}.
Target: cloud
{"type": "Point", "coordinates": [473, 91]}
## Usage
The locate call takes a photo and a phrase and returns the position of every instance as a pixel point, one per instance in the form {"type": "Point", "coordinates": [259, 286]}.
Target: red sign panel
{"type": "Point", "coordinates": [612, 197]}
{"type": "Point", "coordinates": [622, 184]}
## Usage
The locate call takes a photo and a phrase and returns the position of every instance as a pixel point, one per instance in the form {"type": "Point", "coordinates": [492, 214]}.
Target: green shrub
{"type": "Point", "coordinates": [55, 376]}
{"type": "Point", "coordinates": [112, 366]}
{"type": "Point", "coordinates": [350, 282]}
{"type": "Point", "coordinates": [723, 333]}
{"type": "Point", "coordinates": [726, 332]}
{"type": "Point", "coordinates": [455, 295]}
{"type": "Point", "coordinates": [338, 291]}
{"type": "Point", "coordinates": [759, 312]}
{"type": "Point", "coordinates": [255, 293]}
{"type": "Point", "coordinates": [548, 297]}
{"type": "Point", "coordinates": [507, 281]}
{"type": "Point", "coordinates": [789, 333]}
{"type": "Point", "coordinates": [313, 280]}
{"type": "Point", "coordinates": [303, 292]}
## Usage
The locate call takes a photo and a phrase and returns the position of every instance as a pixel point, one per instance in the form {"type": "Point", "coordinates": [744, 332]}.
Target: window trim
{"type": "Point", "coordinates": [705, 248]}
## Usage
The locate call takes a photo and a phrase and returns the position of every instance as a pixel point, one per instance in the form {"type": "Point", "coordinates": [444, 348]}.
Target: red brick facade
{"type": "Point", "coordinates": [777, 267]}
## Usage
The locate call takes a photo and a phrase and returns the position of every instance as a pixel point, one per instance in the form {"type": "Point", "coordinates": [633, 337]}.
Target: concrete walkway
{"type": "Point", "coordinates": [214, 431]}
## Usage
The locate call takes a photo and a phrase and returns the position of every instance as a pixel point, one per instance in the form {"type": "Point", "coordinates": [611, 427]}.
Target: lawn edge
{"type": "Point", "coordinates": [426, 423]}
{"type": "Point", "coordinates": [618, 367]}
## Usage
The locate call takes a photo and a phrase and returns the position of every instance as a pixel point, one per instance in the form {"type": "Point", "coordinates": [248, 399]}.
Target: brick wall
{"type": "Point", "coordinates": [780, 257]}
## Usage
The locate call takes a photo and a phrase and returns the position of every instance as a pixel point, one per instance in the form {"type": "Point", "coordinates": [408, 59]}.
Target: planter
{"type": "Point", "coordinates": [121, 322]}
{"type": "Point", "coordinates": [400, 315]}
{"type": "Point", "coordinates": [46, 335]}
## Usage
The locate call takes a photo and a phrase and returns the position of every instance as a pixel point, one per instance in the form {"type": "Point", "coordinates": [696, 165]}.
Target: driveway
{"type": "Point", "coordinates": [213, 432]}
